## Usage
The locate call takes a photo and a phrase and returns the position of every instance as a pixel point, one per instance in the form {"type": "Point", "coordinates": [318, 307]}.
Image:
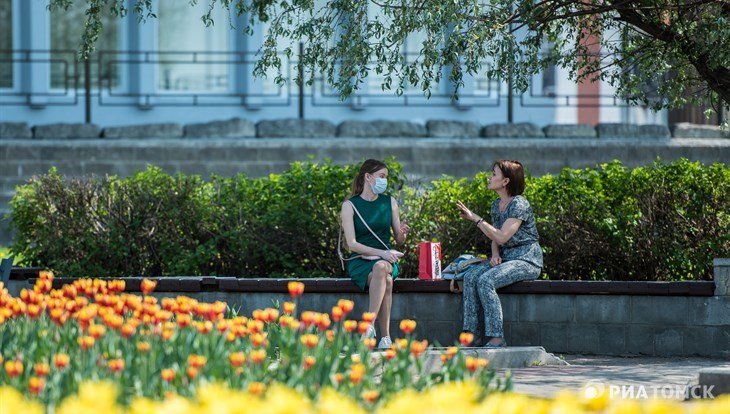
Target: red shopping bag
{"type": "Point", "coordinates": [429, 260]}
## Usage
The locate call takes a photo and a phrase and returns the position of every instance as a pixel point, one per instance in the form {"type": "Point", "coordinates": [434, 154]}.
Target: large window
{"type": "Point", "coordinates": [193, 57]}
{"type": "Point", "coordinates": [6, 43]}
{"type": "Point", "coordinates": [66, 31]}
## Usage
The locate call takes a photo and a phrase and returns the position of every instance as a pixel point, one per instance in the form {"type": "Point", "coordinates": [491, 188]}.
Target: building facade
{"type": "Point", "coordinates": [173, 68]}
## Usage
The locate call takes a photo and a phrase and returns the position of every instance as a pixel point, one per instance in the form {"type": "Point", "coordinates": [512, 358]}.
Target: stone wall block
{"type": "Point", "coordinates": [452, 129]}
{"type": "Point", "coordinates": [66, 131]}
{"type": "Point", "coordinates": [15, 130]}
{"type": "Point", "coordinates": [570, 131]}
{"type": "Point", "coordinates": [654, 131]}
{"type": "Point", "coordinates": [232, 128]}
{"type": "Point", "coordinates": [721, 276]}
{"type": "Point", "coordinates": [616, 130]}
{"type": "Point", "coordinates": [687, 130]}
{"type": "Point", "coordinates": [165, 130]}
{"type": "Point", "coordinates": [292, 127]}
{"type": "Point", "coordinates": [546, 308]}
{"type": "Point", "coordinates": [518, 130]}
{"type": "Point", "coordinates": [603, 309]}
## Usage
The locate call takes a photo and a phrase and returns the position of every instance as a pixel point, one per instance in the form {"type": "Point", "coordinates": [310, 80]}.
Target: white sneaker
{"type": "Point", "coordinates": [370, 333]}
{"type": "Point", "coordinates": [385, 343]}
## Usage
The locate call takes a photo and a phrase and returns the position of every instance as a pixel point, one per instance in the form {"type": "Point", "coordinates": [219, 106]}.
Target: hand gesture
{"type": "Point", "coordinates": [404, 229]}
{"type": "Point", "coordinates": [392, 256]}
{"type": "Point", "coordinates": [466, 213]}
{"type": "Point", "coordinates": [495, 261]}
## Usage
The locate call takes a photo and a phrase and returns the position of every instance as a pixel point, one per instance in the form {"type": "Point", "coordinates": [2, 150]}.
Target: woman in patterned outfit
{"type": "Point", "coordinates": [380, 212]}
{"type": "Point", "coordinates": [516, 254]}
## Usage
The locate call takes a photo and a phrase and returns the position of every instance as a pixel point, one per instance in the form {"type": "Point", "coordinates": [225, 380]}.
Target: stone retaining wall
{"type": "Point", "coordinates": [606, 318]}
{"type": "Point", "coordinates": [301, 128]}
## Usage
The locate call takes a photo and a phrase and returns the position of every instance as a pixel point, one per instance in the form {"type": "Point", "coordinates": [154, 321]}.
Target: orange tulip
{"type": "Point", "coordinates": [390, 354]}
{"type": "Point", "coordinates": [369, 342]}
{"type": "Point", "coordinates": [346, 305]}
{"type": "Point", "coordinates": [127, 330]}
{"type": "Point", "coordinates": [256, 388]}
{"type": "Point", "coordinates": [41, 369]}
{"type": "Point", "coordinates": [192, 372]}
{"type": "Point", "coordinates": [33, 311]}
{"type": "Point", "coordinates": [418, 347]}
{"type": "Point", "coordinates": [288, 307]}
{"type": "Point", "coordinates": [204, 327]}
{"type": "Point", "coordinates": [309, 362]}
{"type": "Point", "coordinates": [407, 326]}
{"type": "Point", "coordinates": [310, 340]}
{"type": "Point", "coordinates": [237, 359]}
{"type": "Point", "coordinates": [370, 396]}
{"type": "Point", "coordinates": [471, 364]}
{"type": "Point", "coordinates": [369, 317]}
{"type": "Point", "coordinates": [143, 346]}
{"type": "Point", "coordinates": [97, 331]}
{"type": "Point", "coordinates": [350, 325]}
{"type": "Point", "coordinates": [337, 313]}
{"type": "Point", "coordinates": [357, 371]}
{"type": "Point", "coordinates": [465, 338]}
{"type": "Point", "coordinates": [296, 289]}
{"type": "Point", "coordinates": [116, 365]}
{"type": "Point", "coordinates": [197, 361]}
{"type": "Point", "coordinates": [308, 318]}
{"type": "Point", "coordinates": [13, 368]}
{"type": "Point", "coordinates": [258, 339]}
{"type": "Point", "coordinates": [61, 361]}
{"type": "Point", "coordinates": [451, 352]}
{"type": "Point", "coordinates": [339, 377]}
{"type": "Point", "coordinates": [85, 342]}
{"type": "Point", "coordinates": [147, 286]}
{"type": "Point", "coordinates": [330, 335]}
{"type": "Point", "coordinates": [36, 385]}
{"type": "Point", "coordinates": [168, 374]}
{"type": "Point", "coordinates": [362, 327]}
{"type": "Point", "coordinates": [270, 315]}
{"type": "Point", "coordinates": [322, 320]}
{"type": "Point", "coordinates": [258, 356]}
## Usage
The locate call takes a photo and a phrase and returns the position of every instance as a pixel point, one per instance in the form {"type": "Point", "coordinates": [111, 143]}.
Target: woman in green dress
{"type": "Point", "coordinates": [372, 263]}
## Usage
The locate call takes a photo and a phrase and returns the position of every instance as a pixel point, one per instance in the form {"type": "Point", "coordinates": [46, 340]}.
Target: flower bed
{"type": "Point", "coordinates": [90, 347]}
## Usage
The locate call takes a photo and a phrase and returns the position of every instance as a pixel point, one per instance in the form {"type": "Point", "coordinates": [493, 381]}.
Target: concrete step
{"type": "Point", "coordinates": [501, 358]}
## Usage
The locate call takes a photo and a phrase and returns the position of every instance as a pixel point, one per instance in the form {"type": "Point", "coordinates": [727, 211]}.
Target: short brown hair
{"type": "Point", "coordinates": [513, 170]}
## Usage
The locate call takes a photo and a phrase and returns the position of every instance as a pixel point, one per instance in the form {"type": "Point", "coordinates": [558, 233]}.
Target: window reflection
{"type": "Point", "coordinates": [181, 32]}
{"type": "Point", "coordinates": [66, 30]}
{"type": "Point", "coordinates": [6, 43]}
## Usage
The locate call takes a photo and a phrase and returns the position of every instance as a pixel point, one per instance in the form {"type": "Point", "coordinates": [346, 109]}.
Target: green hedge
{"type": "Point", "coordinates": [665, 222]}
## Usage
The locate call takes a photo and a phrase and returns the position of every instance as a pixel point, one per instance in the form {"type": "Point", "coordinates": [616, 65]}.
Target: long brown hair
{"type": "Point", "coordinates": [370, 166]}
{"type": "Point", "coordinates": [513, 170]}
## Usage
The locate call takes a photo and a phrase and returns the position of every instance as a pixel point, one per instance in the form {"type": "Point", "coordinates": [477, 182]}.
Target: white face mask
{"type": "Point", "coordinates": [380, 185]}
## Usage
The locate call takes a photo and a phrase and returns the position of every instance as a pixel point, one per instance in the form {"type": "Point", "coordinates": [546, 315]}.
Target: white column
{"type": "Point", "coordinates": [142, 45]}
{"type": "Point", "coordinates": [35, 28]}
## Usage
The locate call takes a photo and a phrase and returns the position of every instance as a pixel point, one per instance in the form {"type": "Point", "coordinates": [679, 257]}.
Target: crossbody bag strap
{"type": "Point", "coordinates": [368, 227]}
{"type": "Point", "coordinates": [339, 238]}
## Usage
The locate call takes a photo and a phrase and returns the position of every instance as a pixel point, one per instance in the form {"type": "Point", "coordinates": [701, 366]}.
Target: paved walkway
{"type": "Point", "coordinates": [630, 377]}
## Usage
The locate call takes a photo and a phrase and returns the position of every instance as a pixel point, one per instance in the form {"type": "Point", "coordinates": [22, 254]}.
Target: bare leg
{"type": "Point", "coordinates": [384, 311]}
{"type": "Point", "coordinates": [378, 284]}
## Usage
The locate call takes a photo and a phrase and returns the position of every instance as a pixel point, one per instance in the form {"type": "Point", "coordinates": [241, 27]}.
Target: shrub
{"type": "Point", "coordinates": [663, 222]}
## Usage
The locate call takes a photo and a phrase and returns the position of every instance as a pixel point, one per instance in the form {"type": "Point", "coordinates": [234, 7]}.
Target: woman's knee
{"type": "Point", "coordinates": [388, 283]}
{"type": "Point", "coordinates": [382, 269]}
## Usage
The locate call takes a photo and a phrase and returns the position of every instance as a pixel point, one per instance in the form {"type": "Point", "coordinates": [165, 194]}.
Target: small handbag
{"type": "Point", "coordinates": [456, 269]}
{"type": "Point", "coordinates": [343, 259]}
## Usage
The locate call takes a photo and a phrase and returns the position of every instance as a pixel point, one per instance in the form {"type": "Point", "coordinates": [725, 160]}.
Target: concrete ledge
{"type": "Point", "coordinates": [345, 285]}
{"type": "Point", "coordinates": [511, 357]}
{"type": "Point", "coordinates": [717, 378]}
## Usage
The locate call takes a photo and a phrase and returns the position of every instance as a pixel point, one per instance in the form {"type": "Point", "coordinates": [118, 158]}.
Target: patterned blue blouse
{"type": "Point", "coordinates": [523, 245]}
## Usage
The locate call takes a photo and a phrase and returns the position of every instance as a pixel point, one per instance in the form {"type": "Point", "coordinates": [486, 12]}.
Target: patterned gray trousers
{"type": "Point", "coordinates": [480, 290]}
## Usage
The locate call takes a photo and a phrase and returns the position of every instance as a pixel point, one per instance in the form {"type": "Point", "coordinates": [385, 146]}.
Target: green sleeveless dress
{"type": "Point", "coordinates": [378, 214]}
